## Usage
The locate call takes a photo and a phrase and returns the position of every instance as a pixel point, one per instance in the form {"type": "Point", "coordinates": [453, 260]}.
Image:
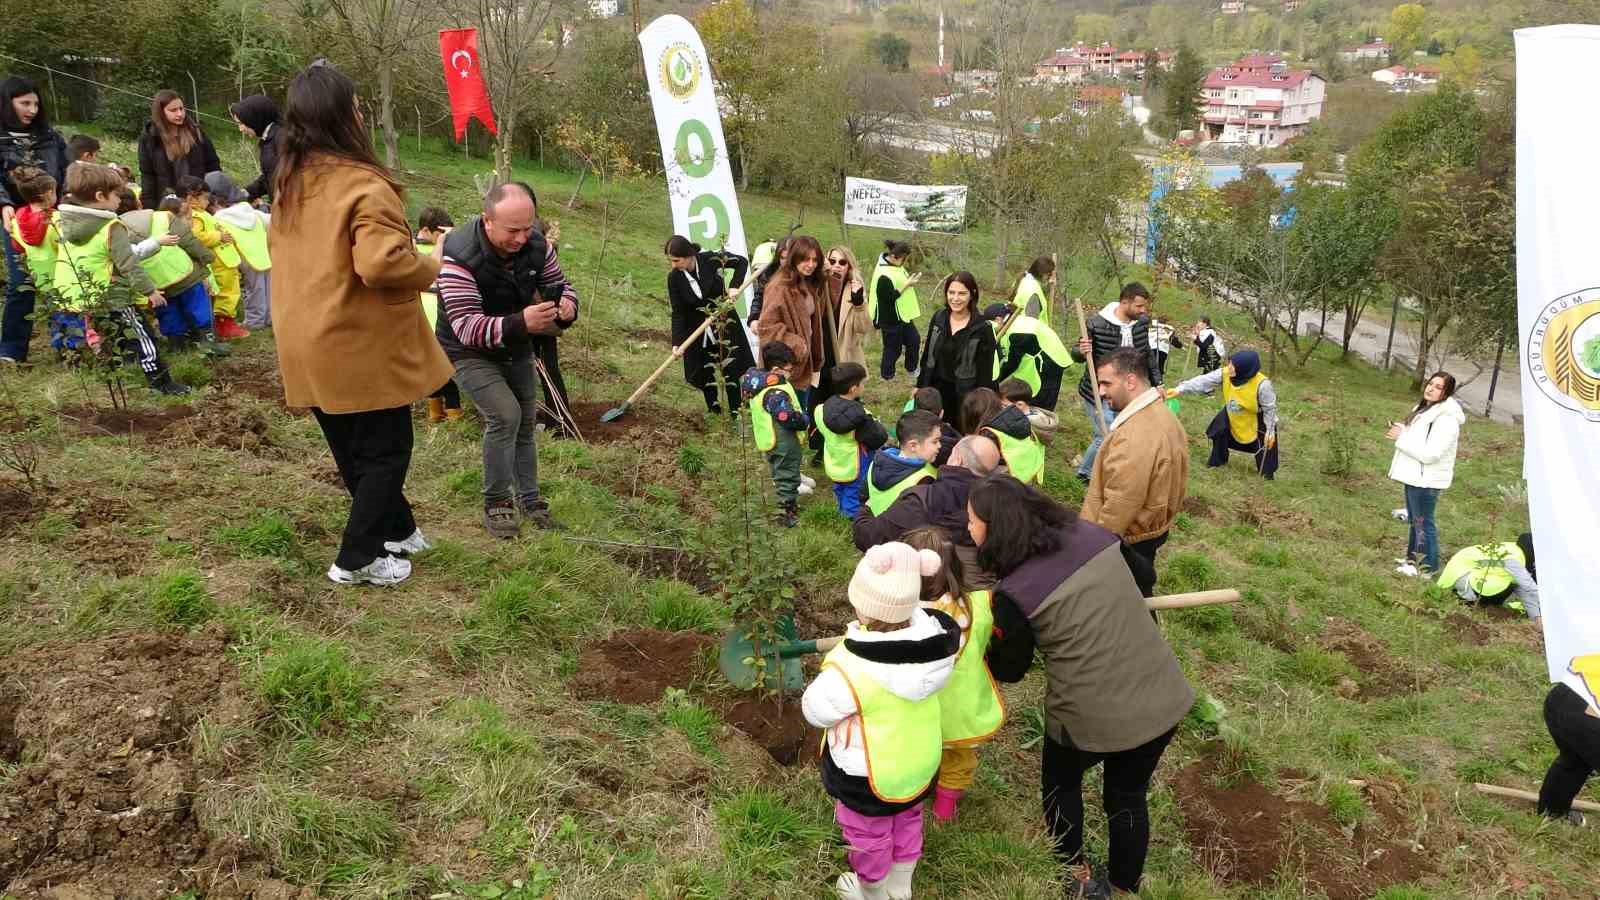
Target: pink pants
{"type": "Point", "coordinates": [877, 842]}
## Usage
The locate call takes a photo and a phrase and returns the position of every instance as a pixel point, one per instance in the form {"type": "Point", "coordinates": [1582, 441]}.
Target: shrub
{"type": "Point", "coordinates": [692, 460]}
{"type": "Point", "coordinates": [1340, 459]}
{"type": "Point", "coordinates": [180, 598]}
{"type": "Point", "coordinates": [1345, 804]}
{"type": "Point", "coordinates": [307, 684]}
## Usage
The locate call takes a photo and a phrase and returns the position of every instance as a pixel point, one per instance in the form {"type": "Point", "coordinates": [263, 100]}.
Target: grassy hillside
{"type": "Point", "coordinates": [186, 704]}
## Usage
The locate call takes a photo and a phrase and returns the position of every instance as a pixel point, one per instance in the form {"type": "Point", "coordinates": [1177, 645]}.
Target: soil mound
{"type": "Point", "coordinates": [637, 666]}
{"type": "Point", "coordinates": [654, 562]}
{"type": "Point", "coordinates": [646, 417]}
{"type": "Point", "coordinates": [17, 507]}
{"type": "Point", "coordinates": [96, 422]}
{"type": "Point", "coordinates": [780, 730]}
{"type": "Point", "coordinates": [1382, 675]}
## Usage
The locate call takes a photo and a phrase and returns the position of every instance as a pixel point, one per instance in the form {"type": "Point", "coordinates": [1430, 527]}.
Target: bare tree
{"type": "Point", "coordinates": [519, 42]}
{"type": "Point", "coordinates": [378, 33]}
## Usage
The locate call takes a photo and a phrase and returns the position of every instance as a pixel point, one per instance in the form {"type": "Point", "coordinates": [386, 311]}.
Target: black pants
{"type": "Point", "coordinates": [450, 394]}
{"type": "Point", "coordinates": [1222, 441]}
{"type": "Point", "coordinates": [1127, 784]}
{"type": "Point", "coordinates": [1161, 363]}
{"type": "Point", "coordinates": [1050, 376]}
{"type": "Point", "coordinates": [548, 351]}
{"type": "Point", "coordinates": [1577, 737]}
{"type": "Point", "coordinates": [901, 336]}
{"type": "Point", "coordinates": [373, 452]}
{"type": "Point", "coordinates": [1148, 548]}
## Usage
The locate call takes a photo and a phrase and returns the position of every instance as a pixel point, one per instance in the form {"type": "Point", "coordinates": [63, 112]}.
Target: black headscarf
{"type": "Point", "coordinates": [1525, 544]}
{"type": "Point", "coordinates": [12, 88]}
{"type": "Point", "coordinates": [257, 112]}
{"type": "Point", "coordinates": [1246, 363]}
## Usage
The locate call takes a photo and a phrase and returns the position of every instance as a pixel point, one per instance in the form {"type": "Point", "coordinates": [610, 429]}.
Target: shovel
{"type": "Point", "coordinates": [611, 415]}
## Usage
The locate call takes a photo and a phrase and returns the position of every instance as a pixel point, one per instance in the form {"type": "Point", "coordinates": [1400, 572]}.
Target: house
{"type": "Point", "coordinates": [1373, 50]}
{"type": "Point", "coordinates": [1405, 78]}
{"type": "Point", "coordinates": [1128, 62]}
{"type": "Point", "coordinates": [1232, 7]}
{"type": "Point", "coordinates": [1102, 59]}
{"type": "Point", "coordinates": [1094, 96]}
{"type": "Point", "coordinates": [604, 9]}
{"type": "Point", "coordinates": [1260, 101]}
{"type": "Point", "coordinates": [1061, 67]}
{"type": "Point", "coordinates": [976, 80]}
{"type": "Point", "coordinates": [1290, 6]}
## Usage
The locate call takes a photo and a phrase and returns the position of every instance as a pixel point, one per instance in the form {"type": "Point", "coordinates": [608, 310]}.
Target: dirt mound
{"type": "Point", "coordinates": [1244, 833]}
{"type": "Point", "coordinates": [103, 803]}
{"type": "Point", "coordinates": [655, 335]}
{"type": "Point", "coordinates": [1194, 506]}
{"type": "Point", "coordinates": [637, 666]}
{"type": "Point", "coordinates": [1468, 629]}
{"type": "Point", "coordinates": [97, 422]}
{"type": "Point", "coordinates": [780, 730]}
{"type": "Point", "coordinates": [657, 562]}
{"type": "Point", "coordinates": [230, 425]}
{"type": "Point", "coordinates": [1382, 674]}
{"type": "Point", "coordinates": [17, 507]}
{"type": "Point", "coordinates": [646, 417]}
{"type": "Point", "coordinates": [251, 376]}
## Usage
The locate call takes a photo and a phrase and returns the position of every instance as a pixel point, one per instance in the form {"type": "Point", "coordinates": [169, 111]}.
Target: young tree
{"type": "Point", "coordinates": [1181, 87]}
{"type": "Point", "coordinates": [891, 50]}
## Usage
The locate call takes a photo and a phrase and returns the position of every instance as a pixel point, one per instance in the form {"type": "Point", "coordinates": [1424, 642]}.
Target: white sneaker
{"type": "Point", "coordinates": [1407, 569]}
{"type": "Point", "coordinates": [898, 883]}
{"type": "Point", "coordinates": [416, 543]}
{"type": "Point", "coordinates": [851, 887]}
{"type": "Point", "coordinates": [1400, 515]}
{"type": "Point", "coordinates": [808, 481]}
{"type": "Point", "coordinates": [383, 570]}
{"type": "Point", "coordinates": [804, 490]}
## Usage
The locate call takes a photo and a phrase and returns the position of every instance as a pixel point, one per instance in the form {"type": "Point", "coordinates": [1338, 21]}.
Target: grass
{"type": "Point", "coordinates": [270, 534]}
{"type": "Point", "coordinates": [308, 684]}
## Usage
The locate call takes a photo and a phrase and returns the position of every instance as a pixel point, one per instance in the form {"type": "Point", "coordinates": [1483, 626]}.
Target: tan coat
{"type": "Point", "coordinates": [853, 327]}
{"type": "Point", "coordinates": [783, 319]}
{"type": "Point", "coordinates": [1141, 472]}
{"type": "Point", "coordinates": [345, 307]}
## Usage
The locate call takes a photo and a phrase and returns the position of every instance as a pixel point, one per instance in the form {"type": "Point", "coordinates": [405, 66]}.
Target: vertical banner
{"type": "Point", "coordinates": [693, 151]}
{"type": "Point", "coordinates": [463, 78]}
{"type": "Point", "coordinates": [1558, 328]}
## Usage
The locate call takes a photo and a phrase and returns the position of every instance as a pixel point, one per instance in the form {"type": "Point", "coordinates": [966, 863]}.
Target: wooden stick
{"type": "Point", "coordinates": [1094, 379]}
{"type": "Point", "coordinates": [1197, 598]}
{"type": "Point", "coordinates": [1498, 791]}
{"type": "Point", "coordinates": [671, 357]}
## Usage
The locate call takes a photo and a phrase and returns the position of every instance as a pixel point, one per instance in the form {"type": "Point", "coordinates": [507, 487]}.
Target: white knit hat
{"type": "Point", "coordinates": [887, 585]}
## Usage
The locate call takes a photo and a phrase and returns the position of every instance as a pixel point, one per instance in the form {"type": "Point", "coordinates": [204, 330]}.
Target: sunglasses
{"type": "Point", "coordinates": [835, 261]}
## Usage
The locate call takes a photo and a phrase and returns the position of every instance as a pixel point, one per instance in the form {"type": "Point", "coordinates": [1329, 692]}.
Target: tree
{"type": "Point", "coordinates": [518, 44]}
{"type": "Point", "coordinates": [1094, 28]}
{"type": "Point", "coordinates": [377, 33]}
{"type": "Point", "coordinates": [1181, 89]}
{"type": "Point", "coordinates": [893, 51]}
{"type": "Point", "coordinates": [1404, 32]}
{"type": "Point", "coordinates": [1463, 67]}
{"type": "Point", "coordinates": [1088, 185]}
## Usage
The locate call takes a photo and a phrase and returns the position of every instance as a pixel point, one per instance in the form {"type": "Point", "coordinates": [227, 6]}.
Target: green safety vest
{"type": "Point", "coordinates": [1482, 564]}
{"type": "Point", "coordinates": [40, 260]}
{"type": "Point", "coordinates": [906, 307]}
{"type": "Point", "coordinates": [971, 709]}
{"type": "Point", "coordinates": [1029, 288]}
{"type": "Point", "coordinates": [880, 500]}
{"type": "Point", "coordinates": [251, 243]}
{"type": "Point", "coordinates": [762, 427]}
{"type": "Point", "coordinates": [84, 267]}
{"type": "Point", "coordinates": [225, 252]}
{"type": "Point", "coordinates": [1023, 456]}
{"type": "Point", "coordinates": [1030, 369]}
{"type": "Point", "coordinates": [169, 265]}
{"type": "Point", "coordinates": [899, 737]}
{"type": "Point", "coordinates": [430, 300]}
{"type": "Point", "coordinates": [841, 453]}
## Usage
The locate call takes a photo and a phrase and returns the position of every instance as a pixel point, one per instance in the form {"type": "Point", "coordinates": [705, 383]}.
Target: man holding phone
{"type": "Point", "coordinates": [500, 286]}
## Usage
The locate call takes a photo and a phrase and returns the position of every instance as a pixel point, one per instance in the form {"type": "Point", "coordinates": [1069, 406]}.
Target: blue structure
{"type": "Point", "coordinates": [1282, 174]}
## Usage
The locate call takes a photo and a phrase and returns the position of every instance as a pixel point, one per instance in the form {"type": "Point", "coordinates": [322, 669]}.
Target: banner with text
{"type": "Point", "coordinates": [905, 207]}
{"type": "Point", "coordinates": [1558, 327]}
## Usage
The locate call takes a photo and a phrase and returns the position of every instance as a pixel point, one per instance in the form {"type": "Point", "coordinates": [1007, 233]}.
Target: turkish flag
{"type": "Point", "coordinates": [463, 76]}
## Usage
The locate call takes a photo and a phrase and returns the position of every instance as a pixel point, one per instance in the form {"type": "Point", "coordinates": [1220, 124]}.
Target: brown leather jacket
{"type": "Point", "coordinates": [1141, 473]}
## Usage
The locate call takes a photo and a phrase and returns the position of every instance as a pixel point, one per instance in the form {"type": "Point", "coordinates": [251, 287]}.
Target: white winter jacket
{"type": "Point", "coordinates": [829, 704]}
{"type": "Point", "coordinates": [1425, 452]}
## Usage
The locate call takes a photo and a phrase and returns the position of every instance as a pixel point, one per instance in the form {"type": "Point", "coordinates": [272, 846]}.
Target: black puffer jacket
{"type": "Point", "coordinates": [258, 113]}
{"type": "Point", "coordinates": [158, 175]}
{"type": "Point", "coordinates": [44, 149]}
{"type": "Point", "coordinates": [843, 415]}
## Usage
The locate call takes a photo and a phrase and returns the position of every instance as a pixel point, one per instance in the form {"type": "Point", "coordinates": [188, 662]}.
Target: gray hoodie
{"type": "Point", "coordinates": [80, 223]}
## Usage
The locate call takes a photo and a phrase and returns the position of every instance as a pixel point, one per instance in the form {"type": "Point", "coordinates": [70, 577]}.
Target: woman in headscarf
{"type": "Point", "coordinates": [171, 147]}
{"type": "Point", "coordinates": [257, 118]}
{"type": "Point", "coordinates": [1248, 421]}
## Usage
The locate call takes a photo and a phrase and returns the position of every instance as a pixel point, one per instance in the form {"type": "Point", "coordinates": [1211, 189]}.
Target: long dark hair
{"type": "Point", "coordinates": [681, 247]}
{"type": "Point", "coordinates": [968, 281]}
{"type": "Point", "coordinates": [952, 577]}
{"type": "Point", "coordinates": [1423, 405]}
{"type": "Point", "coordinates": [977, 407]}
{"type": "Point", "coordinates": [1023, 522]}
{"type": "Point", "coordinates": [177, 140]}
{"type": "Point", "coordinates": [12, 88]}
{"type": "Point", "coordinates": [771, 268]}
{"type": "Point", "coordinates": [816, 283]}
{"type": "Point", "coordinates": [320, 119]}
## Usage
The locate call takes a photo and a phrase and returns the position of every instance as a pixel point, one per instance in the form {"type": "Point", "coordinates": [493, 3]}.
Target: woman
{"type": "Point", "coordinates": [791, 312]}
{"type": "Point", "coordinates": [893, 308]}
{"type": "Point", "coordinates": [257, 118]}
{"type": "Point", "coordinates": [1248, 420]}
{"type": "Point", "coordinates": [1425, 462]}
{"type": "Point", "coordinates": [1113, 689]}
{"type": "Point", "coordinates": [26, 139]}
{"type": "Point", "coordinates": [1496, 575]}
{"type": "Point", "coordinates": [960, 350]}
{"type": "Point", "coordinates": [353, 343]}
{"type": "Point", "coordinates": [1031, 295]}
{"type": "Point", "coordinates": [1574, 724]}
{"type": "Point", "coordinates": [171, 147]}
{"type": "Point", "coordinates": [694, 285]}
{"type": "Point", "coordinates": [850, 310]}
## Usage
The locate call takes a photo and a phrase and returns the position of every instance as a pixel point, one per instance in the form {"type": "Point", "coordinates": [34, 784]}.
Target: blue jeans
{"type": "Point", "coordinates": [16, 326]}
{"type": "Point", "coordinates": [1087, 466]}
{"type": "Point", "coordinates": [848, 494]}
{"type": "Point", "coordinates": [187, 311]}
{"type": "Point", "coordinates": [1424, 536]}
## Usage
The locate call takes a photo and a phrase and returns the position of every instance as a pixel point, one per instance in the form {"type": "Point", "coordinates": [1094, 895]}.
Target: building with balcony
{"type": "Point", "coordinates": [1260, 101]}
{"type": "Point", "coordinates": [1061, 67]}
{"type": "Point", "coordinates": [1404, 78]}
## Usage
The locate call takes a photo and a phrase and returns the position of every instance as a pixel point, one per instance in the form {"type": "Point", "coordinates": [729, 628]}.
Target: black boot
{"type": "Point", "coordinates": [789, 517]}
{"type": "Point", "coordinates": [161, 382]}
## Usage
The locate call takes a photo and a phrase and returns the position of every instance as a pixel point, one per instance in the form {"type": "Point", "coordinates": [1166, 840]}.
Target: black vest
{"type": "Point", "coordinates": [507, 285]}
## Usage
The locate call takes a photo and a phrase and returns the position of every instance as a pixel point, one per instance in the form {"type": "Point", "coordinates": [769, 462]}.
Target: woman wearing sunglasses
{"type": "Point", "coordinates": [849, 296]}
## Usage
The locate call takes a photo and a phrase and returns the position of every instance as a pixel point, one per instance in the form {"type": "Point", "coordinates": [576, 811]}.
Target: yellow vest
{"type": "Point", "coordinates": [1029, 288]}
{"type": "Point", "coordinates": [225, 252]}
{"type": "Point", "coordinates": [971, 709]}
{"type": "Point", "coordinates": [1483, 565]}
{"type": "Point", "coordinates": [762, 428]}
{"type": "Point", "coordinates": [841, 452]}
{"type": "Point", "coordinates": [251, 243]}
{"type": "Point", "coordinates": [899, 737]}
{"type": "Point", "coordinates": [880, 500]}
{"type": "Point", "coordinates": [40, 260]}
{"type": "Point", "coordinates": [1243, 405]}
{"type": "Point", "coordinates": [1023, 456]}
{"type": "Point", "coordinates": [906, 307]}
{"type": "Point", "coordinates": [83, 268]}
{"type": "Point", "coordinates": [169, 265]}
{"type": "Point", "coordinates": [430, 300]}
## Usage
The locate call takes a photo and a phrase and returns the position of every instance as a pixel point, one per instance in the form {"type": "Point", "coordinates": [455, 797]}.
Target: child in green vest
{"type": "Point", "coordinates": [971, 709]}
{"type": "Point", "coordinates": [433, 224]}
{"type": "Point", "coordinates": [776, 420]}
{"type": "Point", "coordinates": [930, 400]}
{"type": "Point", "coordinates": [248, 226]}
{"type": "Point", "coordinates": [896, 469]}
{"type": "Point", "coordinates": [876, 697]}
{"type": "Point", "coordinates": [850, 435]}
{"type": "Point", "coordinates": [183, 274]}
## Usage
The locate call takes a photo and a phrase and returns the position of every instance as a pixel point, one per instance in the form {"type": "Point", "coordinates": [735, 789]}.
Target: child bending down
{"type": "Point", "coordinates": [776, 421]}
{"type": "Point", "coordinates": [876, 697]}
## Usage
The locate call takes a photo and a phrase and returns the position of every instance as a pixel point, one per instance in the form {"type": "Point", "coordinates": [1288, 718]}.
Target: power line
{"type": "Point", "coordinates": [101, 84]}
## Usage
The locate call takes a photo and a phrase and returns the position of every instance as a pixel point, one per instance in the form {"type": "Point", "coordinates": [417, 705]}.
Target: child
{"type": "Point", "coordinates": [433, 224]}
{"type": "Point", "coordinates": [83, 148]}
{"type": "Point", "coordinates": [850, 435]}
{"type": "Point", "coordinates": [894, 469]}
{"type": "Point", "coordinates": [248, 226]}
{"type": "Point", "coordinates": [31, 235]}
{"type": "Point", "coordinates": [1006, 423]}
{"type": "Point", "coordinates": [225, 258]}
{"type": "Point", "coordinates": [775, 420]}
{"type": "Point", "coordinates": [931, 400]}
{"type": "Point", "coordinates": [95, 264]}
{"type": "Point", "coordinates": [971, 709]}
{"type": "Point", "coordinates": [876, 697]}
{"type": "Point", "coordinates": [127, 175]}
{"type": "Point", "coordinates": [180, 272]}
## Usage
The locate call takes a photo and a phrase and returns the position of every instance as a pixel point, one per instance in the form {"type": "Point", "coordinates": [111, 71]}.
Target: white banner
{"type": "Point", "coordinates": [1558, 327]}
{"type": "Point", "coordinates": [693, 151]}
{"type": "Point", "coordinates": [904, 207]}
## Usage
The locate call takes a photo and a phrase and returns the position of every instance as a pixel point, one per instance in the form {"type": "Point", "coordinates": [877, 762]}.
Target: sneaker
{"type": "Point", "coordinates": [164, 385]}
{"type": "Point", "coordinates": [1574, 818]}
{"type": "Point", "coordinates": [1400, 515]}
{"type": "Point", "coordinates": [501, 520]}
{"type": "Point", "coordinates": [851, 887]}
{"type": "Point", "coordinates": [1082, 885]}
{"type": "Point", "coordinates": [789, 516]}
{"type": "Point", "coordinates": [210, 346]}
{"type": "Point", "coordinates": [229, 330]}
{"type": "Point", "coordinates": [416, 543]}
{"type": "Point", "coordinates": [1408, 570]}
{"type": "Point", "coordinates": [383, 570]}
{"type": "Point", "coordinates": [9, 361]}
{"type": "Point", "coordinates": [538, 515]}
{"type": "Point", "coordinates": [804, 489]}
{"type": "Point", "coordinates": [808, 481]}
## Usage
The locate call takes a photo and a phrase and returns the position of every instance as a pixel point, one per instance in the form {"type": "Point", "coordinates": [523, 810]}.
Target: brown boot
{"type": "Point", "coordinates": [452, 413]}
{"type": "Point", "coordinates": [435, 409]}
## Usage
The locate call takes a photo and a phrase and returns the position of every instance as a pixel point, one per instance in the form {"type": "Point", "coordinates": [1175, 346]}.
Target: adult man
{"type": "Point", "coordinates": [1125, 323]}
{"type": "Point", "coordinates": [499, 286]}
{"type": "Point", "coordinates": [1142, 470]}
{"type": "Point", "coordinates": [941, 503]}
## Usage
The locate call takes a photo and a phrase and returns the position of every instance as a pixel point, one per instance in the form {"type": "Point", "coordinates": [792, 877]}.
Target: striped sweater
{"type": "Point", "coordinates": [461, 303]}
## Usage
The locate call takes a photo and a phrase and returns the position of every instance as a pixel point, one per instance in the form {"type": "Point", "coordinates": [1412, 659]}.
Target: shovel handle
{"type": "Point", "coordinates": [1197, 598]}
{"type": "Point", "coordinates": [806, 648]}
{"type": "Point", "coordinates": [675, 354]}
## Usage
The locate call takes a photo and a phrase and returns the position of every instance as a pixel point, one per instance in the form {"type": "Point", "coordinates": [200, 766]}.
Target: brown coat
{"type": "Point", "coordinates": [345, 308]}
{"type": "Point", "coordinates": [1140, 474]}
{"type": "Point", "coordinates": [853, 327]}
{"type": "Point", "coordinates": [783, 319]}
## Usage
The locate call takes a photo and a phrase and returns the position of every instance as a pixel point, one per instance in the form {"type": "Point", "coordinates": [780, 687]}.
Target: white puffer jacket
{"type": "Point", "coordinates": [1425, 452]}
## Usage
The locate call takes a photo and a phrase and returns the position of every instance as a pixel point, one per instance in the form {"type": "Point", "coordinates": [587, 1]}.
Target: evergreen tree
{"type": "Point", "coordinates": [1182, 90]}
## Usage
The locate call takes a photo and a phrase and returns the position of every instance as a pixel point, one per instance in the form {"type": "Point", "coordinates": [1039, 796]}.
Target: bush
{"type": "Point", "coordinates": [124, 115]}
{"type": "Point", "coordinates": [1340, 460]}
{"type": "Point", "coordinates": [181, 599]}
{"type": "Point", "coordinates": [692, 460]}
{"type": "Point", "coordinates": [308, 683]}
{"type": "Point", "coordinates": [1345, 804]}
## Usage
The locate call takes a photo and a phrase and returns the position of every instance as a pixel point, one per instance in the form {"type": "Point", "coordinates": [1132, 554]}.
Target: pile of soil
{"type": "Point", "coordinates": [1260, 513]}
{"type": "Point", "coordinates": [1467, 629]}
{"type": "Point", "coordinates": [251, 376]}
{"type": "Point", "coordinates": [661, 563]}
{"type": "Point", "coordinates": [230, 425]}
{"type": "Point", "coordinates": [1382, 673]}
{"type": "Point", "coordinates": [17, 507]}
{"type": "Point", "coordinates": [638, 665]}
{"type": "Point", "coordinates": [646, 417]}
{"type": "Point", "coordinates": [103, 804]}
{"type": "Point", "coordinates": [1244, 833]}
{"type": "Point", "coordinates": [97, 422]}
{"type": "Point", "coordinates": [780, 730]}
{"type": "Point", "coordinates": [654, 335]}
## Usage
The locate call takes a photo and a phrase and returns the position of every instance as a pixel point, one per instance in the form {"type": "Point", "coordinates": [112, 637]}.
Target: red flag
{"type": "Point", "coordinates": [469, 96]}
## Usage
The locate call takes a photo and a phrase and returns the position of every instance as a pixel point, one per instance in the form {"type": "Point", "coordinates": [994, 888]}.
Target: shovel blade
{"type": "Point", "coordinates": [611, 415]}
{"type": "Point", "coordinates": [744, 667]}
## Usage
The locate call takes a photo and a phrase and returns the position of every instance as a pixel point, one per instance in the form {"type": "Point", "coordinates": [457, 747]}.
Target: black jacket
{"type": "Point", "coordinates": [44, 149]}
{"type": "Point", "coordinates": [1011, 422]}
{"type": "Point", "coordinates": [843, 415]}
{"type": "Point", "coordinates": [260, 115]}
{"type": "Point", "coordinates": [1106, 336]}
{"type": "Point", "coordinates": [688, 311]}
{"type": "Point", "coordinates": [888, 315]}
{"type": "Point", "coordinates": [158, 175]}
{"type": "Point", "coordinates": [506, 286]}
{"type": "Point", "coordinates": [964, 360]}
{"type": "Point", "coordinates": [941, 503]}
